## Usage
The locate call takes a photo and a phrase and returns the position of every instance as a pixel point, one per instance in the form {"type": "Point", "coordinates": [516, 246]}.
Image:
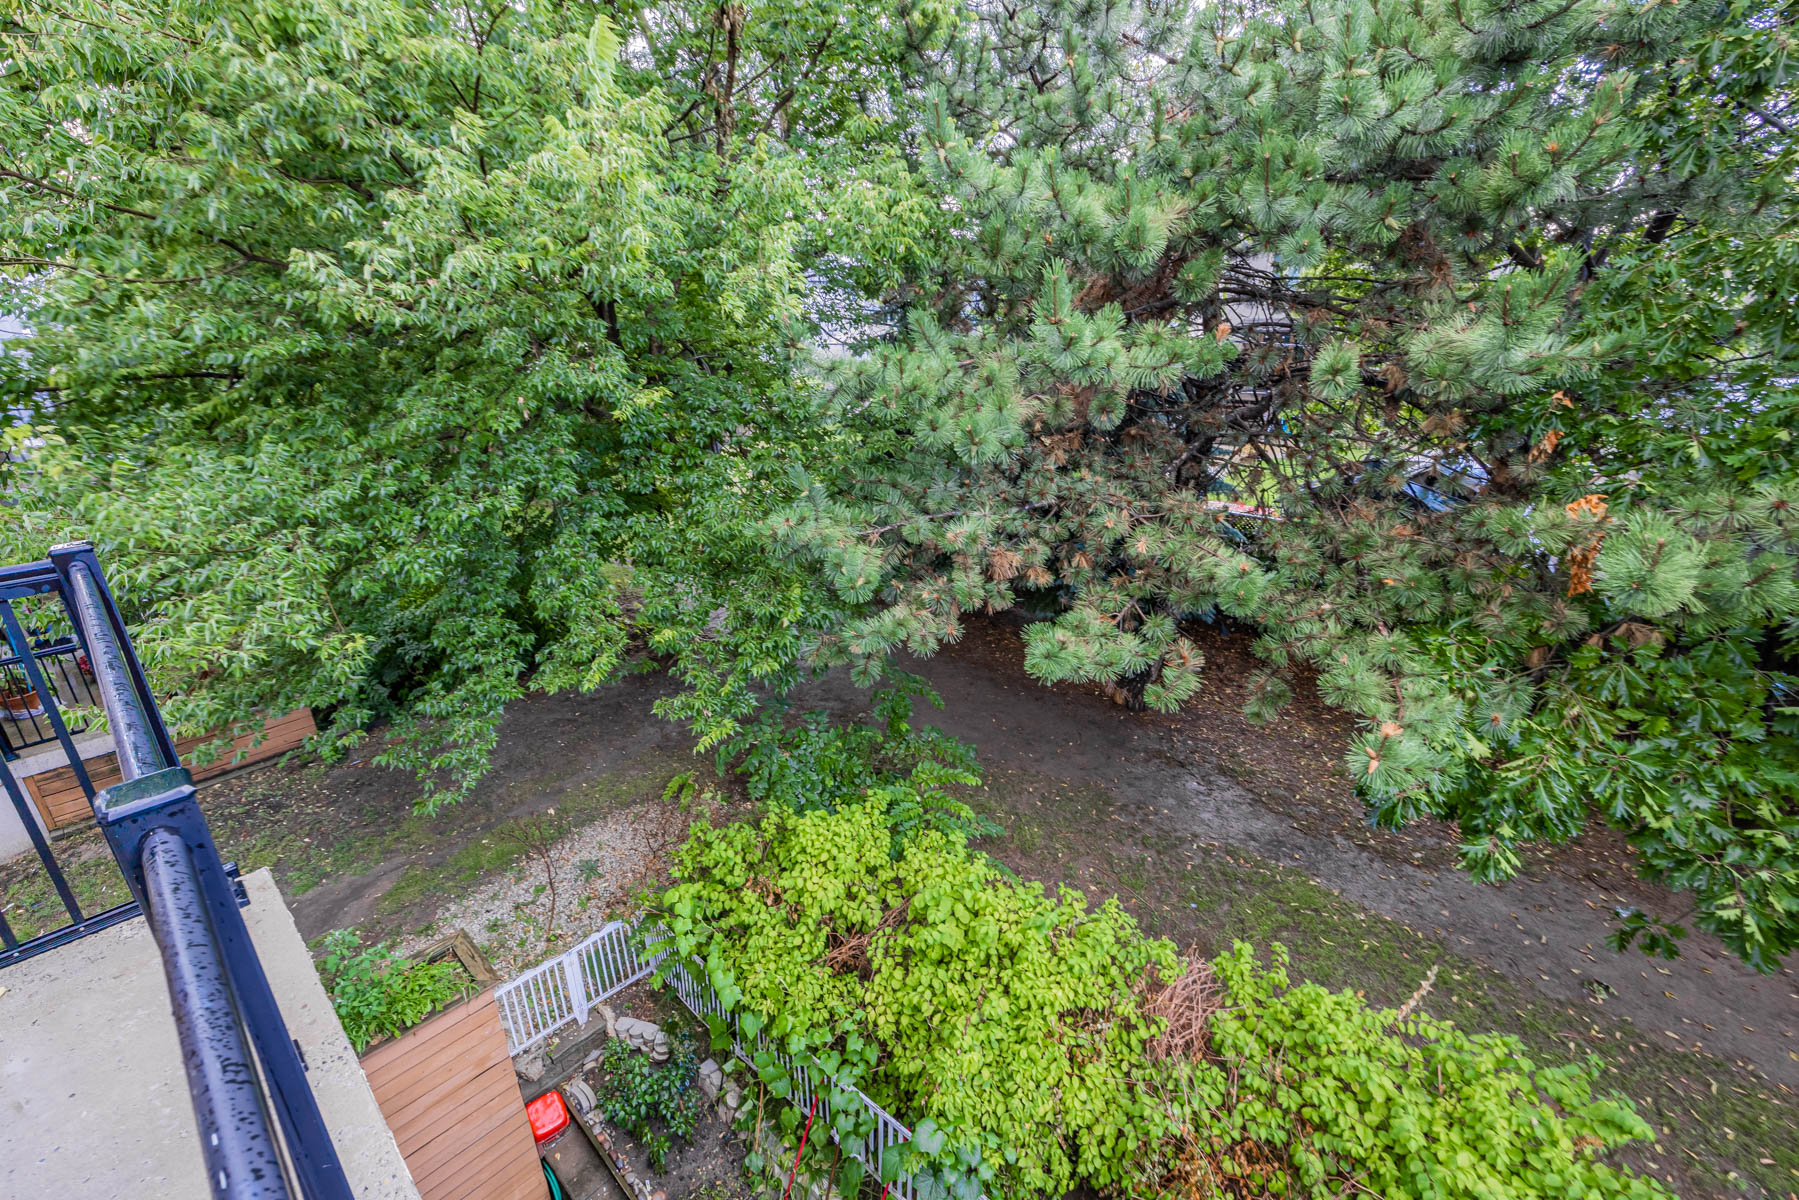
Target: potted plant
{"type": "Point", "coordinates": [21, 702]}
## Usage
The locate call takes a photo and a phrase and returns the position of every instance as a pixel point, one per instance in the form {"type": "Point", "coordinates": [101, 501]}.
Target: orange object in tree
{"type": "Point", "coordinates": [548, 1116]}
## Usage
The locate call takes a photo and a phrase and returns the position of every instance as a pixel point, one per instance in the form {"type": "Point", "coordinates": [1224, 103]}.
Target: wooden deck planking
{"type": "Point", "coordinates": [448, 1093]}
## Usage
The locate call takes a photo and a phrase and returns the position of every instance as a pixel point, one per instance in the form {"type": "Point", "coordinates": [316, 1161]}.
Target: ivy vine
{"type": "Point", "coordinates": [1017, 1028]}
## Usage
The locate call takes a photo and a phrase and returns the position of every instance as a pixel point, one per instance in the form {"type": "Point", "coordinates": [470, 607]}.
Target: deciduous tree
{"type": "Point", "coordinates": [391, 350]}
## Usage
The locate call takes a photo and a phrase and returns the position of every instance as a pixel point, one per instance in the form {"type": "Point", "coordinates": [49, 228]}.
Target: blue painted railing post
{"type": "Point", "coordinates": [233, 1038]}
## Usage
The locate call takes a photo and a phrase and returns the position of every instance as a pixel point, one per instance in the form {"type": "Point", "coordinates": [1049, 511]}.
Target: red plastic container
{"type": "Point", "coordinates": [548, 1116]}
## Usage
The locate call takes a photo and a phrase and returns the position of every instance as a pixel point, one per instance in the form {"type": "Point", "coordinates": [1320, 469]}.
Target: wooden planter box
{"type": "Point", "coordinates": [448, 1092]}
{"type": "Point", "coordinates": [61, 802]}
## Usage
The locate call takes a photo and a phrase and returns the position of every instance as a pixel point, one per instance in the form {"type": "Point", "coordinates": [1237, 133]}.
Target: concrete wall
{"type": "Point", "coordinates": [93, 1098]}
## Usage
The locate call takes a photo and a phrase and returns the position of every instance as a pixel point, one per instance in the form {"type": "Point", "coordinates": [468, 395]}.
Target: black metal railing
{"type": "Point", "coordinates": [24, 713]}
{"type": "Point", "coordinates": [261, 1134]}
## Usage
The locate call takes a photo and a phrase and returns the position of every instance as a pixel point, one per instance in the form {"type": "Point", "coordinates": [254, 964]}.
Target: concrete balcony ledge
{"type": "Point", "coordinates": [93, 1099]}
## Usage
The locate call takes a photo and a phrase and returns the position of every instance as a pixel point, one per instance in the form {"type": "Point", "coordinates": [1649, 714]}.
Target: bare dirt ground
{"type": "Point", "coordinates": [1277, 792]}
{"type": "Point", "coordinates": [574, 804]}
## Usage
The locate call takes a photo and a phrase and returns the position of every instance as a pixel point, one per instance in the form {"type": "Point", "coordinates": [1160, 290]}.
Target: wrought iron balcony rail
{"type": "Point", "coordinates": [261, 1134]}
{"type": "Point", "coordinates": [24, 712]}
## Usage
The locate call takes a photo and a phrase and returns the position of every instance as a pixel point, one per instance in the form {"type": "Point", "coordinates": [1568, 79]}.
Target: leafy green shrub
{"type": "Point", "coordinates": [1007, 1017]}
{"type": "Point", "coordinates": [1309, 1092]}
{"type": "Point", "coordinates": [1705, 790]}
{"type": "Point", "coordinates": [1016, 1028]}
{"type": "Point", "coordinates": [813, 764]}
{"type": "Point", "coordinates": [653, 1104]}
{"type": "Point", "coordinates": [379, 994]}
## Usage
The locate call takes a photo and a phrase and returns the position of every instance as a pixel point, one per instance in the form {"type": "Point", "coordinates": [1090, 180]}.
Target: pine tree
{"type": "Point", "coordinates": [1327, 318]}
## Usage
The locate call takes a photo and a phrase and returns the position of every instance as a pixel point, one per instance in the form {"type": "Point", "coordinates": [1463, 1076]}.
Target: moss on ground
{"type": "Point", "coordinates": [306, 824]}
{"type": "Point", "coordinates": [466, 865]}
{"type": "Point", "coordinates": [501, 847]}
{"type": "Point", "coordinates": [263, 827]}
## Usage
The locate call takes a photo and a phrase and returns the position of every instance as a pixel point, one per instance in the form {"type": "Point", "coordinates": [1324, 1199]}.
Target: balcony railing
{"type": "Point", "coordinates": [24, 712]}
{"type": "Point", "coordinates": [261, 1134]}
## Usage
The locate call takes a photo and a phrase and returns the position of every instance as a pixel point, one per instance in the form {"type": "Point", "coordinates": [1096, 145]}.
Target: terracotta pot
{"type": "Point", "coordinates": [22, 705]}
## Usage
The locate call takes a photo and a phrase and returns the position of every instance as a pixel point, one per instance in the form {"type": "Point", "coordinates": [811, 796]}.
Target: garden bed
{"type": "Point", "coordinates": [708, 1165]}
{"type": "Point", "coordinates": [445, 1087]}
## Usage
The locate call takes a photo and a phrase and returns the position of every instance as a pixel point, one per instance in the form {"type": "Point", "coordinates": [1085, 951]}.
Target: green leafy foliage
{"type": "Point", "coordinates": [810, 765]}
{"type": "Point", "coordinates": [400, 357]}
{"type": "Point", "coordinates": [380, 994]}
{"type": "Point", "coordinates": [657, 1105]}
{"type": "Point", "coordinates": [1000, 1012]}
{"type": "Point", "coordinates": [1658, 938]}
{"type": "Point", "coordinates": [1686, 744]}
{"type": "Point", "coordinates": [391, 351]}
{"type": "Point", "coordinates": [1011, 1025]}
{"type": "Point", "coordinates": [1309, 1092]}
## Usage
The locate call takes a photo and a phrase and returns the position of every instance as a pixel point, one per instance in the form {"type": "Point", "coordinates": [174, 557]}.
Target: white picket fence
{"type": "Point", "coordinates": [565, 990]}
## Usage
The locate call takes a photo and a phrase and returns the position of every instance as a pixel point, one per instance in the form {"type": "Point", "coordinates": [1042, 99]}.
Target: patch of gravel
{"type": "Point", "coordinates": [561, 891]}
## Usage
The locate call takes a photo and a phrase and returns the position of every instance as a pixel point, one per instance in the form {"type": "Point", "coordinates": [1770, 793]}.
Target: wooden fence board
{"type": "Point", "coordinates": [60, 800]}
{"type": "Point", "coordinates": [498, 1181]}
{"type": "Point", "coordinates": [457, 1023]}
{"type": "Point", "coordinates": [471, 1144]}
{"type": "Point", "coordinates": [407, 1076]}
{"type": "Point", "coordinates": [426, 1108]}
